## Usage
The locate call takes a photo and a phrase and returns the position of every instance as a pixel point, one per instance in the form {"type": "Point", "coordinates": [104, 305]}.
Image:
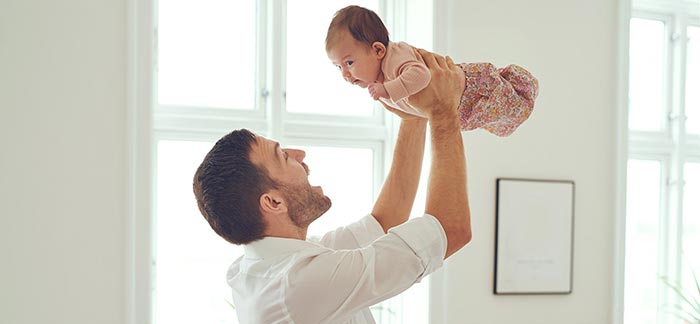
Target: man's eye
{"type": "Point", "coordinates": [286, 156]}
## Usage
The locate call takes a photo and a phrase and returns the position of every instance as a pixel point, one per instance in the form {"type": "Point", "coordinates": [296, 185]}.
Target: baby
{"type": "Point", "coordinates": [498, 100]}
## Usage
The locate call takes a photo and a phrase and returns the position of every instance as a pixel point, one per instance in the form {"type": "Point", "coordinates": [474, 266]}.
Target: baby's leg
{"type": "Point", "coordinates": [498, 100]}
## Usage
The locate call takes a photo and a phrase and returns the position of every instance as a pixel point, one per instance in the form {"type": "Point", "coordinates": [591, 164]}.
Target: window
{"type": "Point", "coordinates": [647, 45]}
{"type": "Point", "coordinates": [644, 190]}
{"type": "Point", "coordinates": [219, 65]}
{"type": "Point", "coordinates": [664, 149]}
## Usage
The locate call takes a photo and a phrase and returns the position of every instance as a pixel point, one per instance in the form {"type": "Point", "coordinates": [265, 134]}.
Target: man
{"type": "Point", "coordinates": [255, 193]}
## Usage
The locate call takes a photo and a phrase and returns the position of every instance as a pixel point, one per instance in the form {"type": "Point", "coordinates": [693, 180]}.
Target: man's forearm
{"type": "Point", "coordinates": [393, 206]}
{"type": "Point", "coordinates": [447, 186]}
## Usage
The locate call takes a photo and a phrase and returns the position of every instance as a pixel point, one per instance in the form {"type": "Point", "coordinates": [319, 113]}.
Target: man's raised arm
{"type": "Point", "coordinates": [393, 206]}
{"type": "Point", "coordinates": [447, 185]}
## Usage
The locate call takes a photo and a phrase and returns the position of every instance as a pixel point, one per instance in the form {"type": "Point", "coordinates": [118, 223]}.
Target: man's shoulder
{"type": "Point", "coordinates": [272, 257]}
{"type": "Point", "coordinates": [357, 234]}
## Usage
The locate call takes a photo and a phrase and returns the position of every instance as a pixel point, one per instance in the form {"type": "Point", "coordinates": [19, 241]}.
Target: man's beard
{"type": "Point", "coordinates": [304, 204]}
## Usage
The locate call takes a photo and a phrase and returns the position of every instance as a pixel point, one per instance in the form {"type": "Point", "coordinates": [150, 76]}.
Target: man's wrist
{"type": "Point", "coordinates": [443, 115]}
{"type": "Point", "coordinates": [413, 120]}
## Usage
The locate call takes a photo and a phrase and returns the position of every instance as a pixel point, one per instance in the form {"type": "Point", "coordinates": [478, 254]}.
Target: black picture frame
{"type": "Point", "coordinates": [534, 241]}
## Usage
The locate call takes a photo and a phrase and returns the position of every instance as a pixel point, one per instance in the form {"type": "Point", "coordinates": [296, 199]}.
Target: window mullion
{"type": "Point", "coordinates": [679, 43]}
{"type": "Point", "coordinates": [674, 220]}
{"type": "Point", "coordinates": [276, 35]}
{"type": "Point", "coordinates": [681, 46]}
{"type": "Point", "coordinates": [262, 98]}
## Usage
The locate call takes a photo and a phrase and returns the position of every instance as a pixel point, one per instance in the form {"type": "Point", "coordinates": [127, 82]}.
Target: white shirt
{"type": "Point", "coordinates": [336, 279]}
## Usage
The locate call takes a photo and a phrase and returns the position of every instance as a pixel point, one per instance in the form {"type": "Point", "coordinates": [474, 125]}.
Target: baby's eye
{"type": "Point", "coordinates": [348, 63]}
{"type": "Point", "coordinates": [338, 66]}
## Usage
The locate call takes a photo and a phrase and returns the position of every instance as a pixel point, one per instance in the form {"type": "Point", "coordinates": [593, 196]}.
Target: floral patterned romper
{"type": "Point", "coordinates": [497, 100]}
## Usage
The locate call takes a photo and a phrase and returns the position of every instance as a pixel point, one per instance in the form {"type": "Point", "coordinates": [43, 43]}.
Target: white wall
{"type": "Point", "coordinates": [570, 46]}
{"type": "Point", "coordinates": [62, 178]}
{"type": "Point", "coordinates": [63, 139]}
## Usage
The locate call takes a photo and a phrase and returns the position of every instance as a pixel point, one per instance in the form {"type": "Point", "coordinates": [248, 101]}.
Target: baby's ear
{"type": "Point", "coordinates": [379, 50]}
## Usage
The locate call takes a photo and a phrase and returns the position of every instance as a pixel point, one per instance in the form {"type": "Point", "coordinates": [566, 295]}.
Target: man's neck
{"type": "Point", "coordinates": [291, 232]}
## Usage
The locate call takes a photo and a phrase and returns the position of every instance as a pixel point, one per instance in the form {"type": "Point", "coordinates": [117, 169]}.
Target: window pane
{"type": "Point", "coordinates": [646, 74]}
{"type": "Point", "coordinates": [691, 222]}
{"type": "Point", "coordinates": [643, 193]}
{"type": "Point", "coordinates": [692, 81]}
{"type": "Point", "coordinates": [207, 53]}
{"type": "Point", "coordinates": [314, 85]}
{"type": "Point", "coordinates": [191, 260]}
{"type": "Point", "coordinates": [346, 176]}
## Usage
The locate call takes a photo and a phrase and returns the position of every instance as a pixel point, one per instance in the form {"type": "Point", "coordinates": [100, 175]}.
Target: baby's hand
{"type": "Point", "coordinates": [377, 90]}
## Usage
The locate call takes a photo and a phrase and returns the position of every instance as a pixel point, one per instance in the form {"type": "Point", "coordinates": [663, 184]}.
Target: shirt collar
{"type": "Point", "coordinates": [274, 246]}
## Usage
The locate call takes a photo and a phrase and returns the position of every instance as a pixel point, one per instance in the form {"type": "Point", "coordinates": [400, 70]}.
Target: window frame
{"type": "Point", "coordinates": [672, 146]}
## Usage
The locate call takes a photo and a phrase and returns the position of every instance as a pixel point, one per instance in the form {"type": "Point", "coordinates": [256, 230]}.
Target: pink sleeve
{"type": "Point", "coordinates": [413, 76]}
{"type": "Point", "coordinates": [498, 100]}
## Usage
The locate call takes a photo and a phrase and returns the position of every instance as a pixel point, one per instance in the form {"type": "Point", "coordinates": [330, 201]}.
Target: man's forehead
{"type": "Point", "coordinates": [263, 149]}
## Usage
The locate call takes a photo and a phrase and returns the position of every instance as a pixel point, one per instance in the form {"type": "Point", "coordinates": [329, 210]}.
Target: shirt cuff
{"type": "Point", "coordinates": [426, 237]}
{"type": "Point", "coordinates": [366, 230]}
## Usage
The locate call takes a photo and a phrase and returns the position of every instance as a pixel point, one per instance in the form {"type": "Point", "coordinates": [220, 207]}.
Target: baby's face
{"type": "Point", "coordinates": [358, 63]}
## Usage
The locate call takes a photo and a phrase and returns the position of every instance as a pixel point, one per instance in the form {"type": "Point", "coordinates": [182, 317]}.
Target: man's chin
{"type": "Point", "coordinates": [327, 203]}
{"type": "Point", "coordinates": [326, 199]}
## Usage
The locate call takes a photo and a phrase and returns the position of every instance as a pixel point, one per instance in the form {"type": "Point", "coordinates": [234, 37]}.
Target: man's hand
{"type": "Point", "coordinates": [377, 90]}
{"type": "Point", "coordinates": [445, 87]}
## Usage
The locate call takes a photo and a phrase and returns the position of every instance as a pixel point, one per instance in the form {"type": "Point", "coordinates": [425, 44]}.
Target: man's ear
{"type": "Point", "coordinates": [272, 202]}
{"type": "Point", "coordinates": [379, 50]}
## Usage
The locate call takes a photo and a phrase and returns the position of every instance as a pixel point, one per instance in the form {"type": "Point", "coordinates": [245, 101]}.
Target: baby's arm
{"type": "Point", "coordinates": [413, 76]}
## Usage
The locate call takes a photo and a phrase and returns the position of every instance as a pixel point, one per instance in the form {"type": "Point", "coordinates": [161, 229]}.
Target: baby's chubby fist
{"type": "Point", "coordinates": [377, 90]}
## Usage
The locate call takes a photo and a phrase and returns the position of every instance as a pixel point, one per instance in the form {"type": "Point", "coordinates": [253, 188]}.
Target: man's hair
{"type": "Point", "coordinates": [364, 25]}
{"type": "Point", "coordinates": [228, 186]}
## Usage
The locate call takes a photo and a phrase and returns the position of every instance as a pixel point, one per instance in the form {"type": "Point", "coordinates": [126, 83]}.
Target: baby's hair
{"type": "Point", "coordinates": [363, 24]}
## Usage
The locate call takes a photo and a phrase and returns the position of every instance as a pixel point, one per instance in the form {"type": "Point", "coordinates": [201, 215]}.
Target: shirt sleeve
{"type": "Point", "coordinates": [356, 235]}
{"type": "Point", "coordinates": [333, 286]}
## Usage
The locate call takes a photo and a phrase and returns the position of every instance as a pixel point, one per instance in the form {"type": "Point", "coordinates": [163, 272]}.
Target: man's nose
{"type": "Point", "coordinates": [298, 155]}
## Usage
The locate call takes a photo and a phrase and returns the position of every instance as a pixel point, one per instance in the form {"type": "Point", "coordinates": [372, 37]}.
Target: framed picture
{"type": "Point", "coordinates": [534, 236]}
